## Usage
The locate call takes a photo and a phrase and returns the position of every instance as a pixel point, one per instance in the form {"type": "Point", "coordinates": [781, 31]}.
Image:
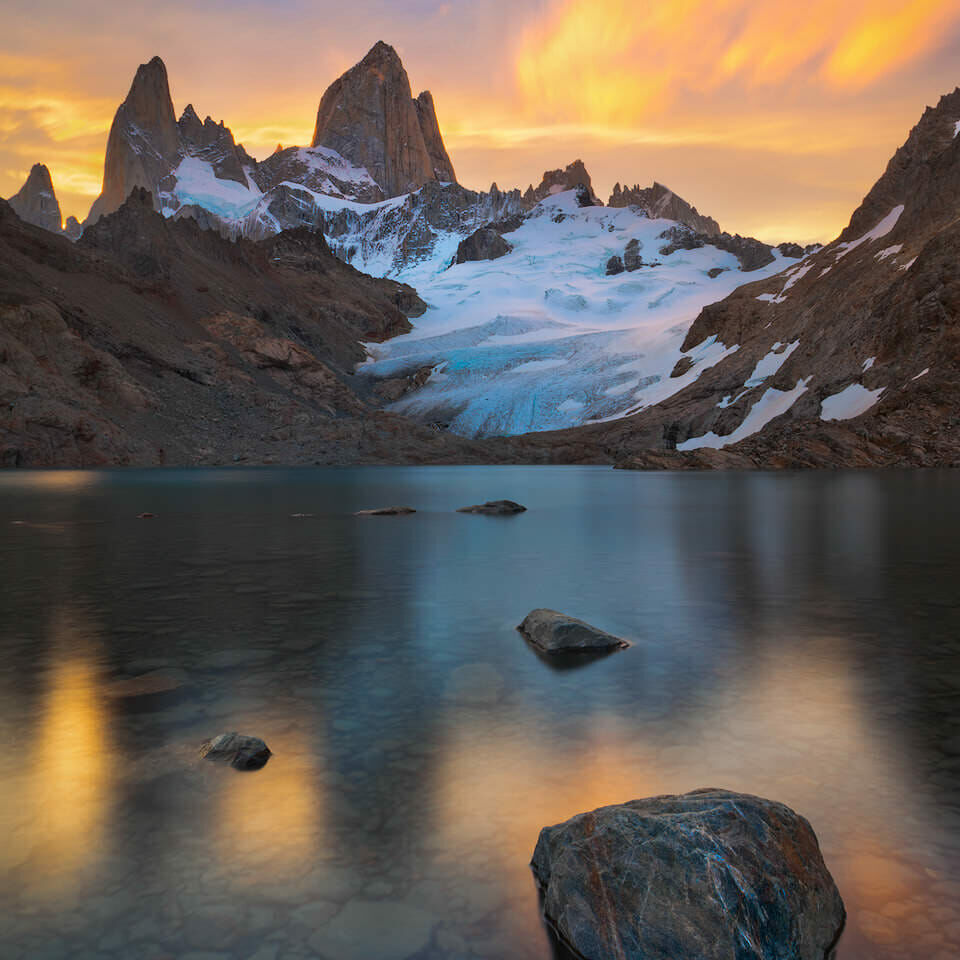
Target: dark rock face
{"type": "Point", "coordinates": [36, 201]}
{"type": "Point", "coordinates": [614, 266]}
{"type": "Point", "coordinates": [752, 254]}
{"type": "Point", "coordinates": [790, 249]}
{"type": "Point", "coordinates": [385, 512]}
{"type": "Point", "coordinates": [212, 142]}
{"type": "Point", "coordinates": [682, 366]}
{"type": "Point", "coordinates": [482, 244]}
{"type": "Point", "coordinates": [631, 256]}
{"type": "Point", "coordinates": [573, 177]}
{"type": "Point", "coordinates": [495, 508]}
{"type": "Point", "coordinates": [659, 201]}
{"type": "Point", "coordinates": [72, 228]}
{"type": "Point", "coordinates": [369, 117]}
{"type": "Point", "coordinates": [554, 632]}
{"type": "Point", "coordinates": [240, 751]}
{"type": "Point", "coordinates": [144, 142]}
{"type": "Point", "coordinates": [709, 874]}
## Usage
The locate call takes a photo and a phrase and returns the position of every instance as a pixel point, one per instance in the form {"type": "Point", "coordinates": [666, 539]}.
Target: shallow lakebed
{"type": "Point", "coordinates": [792, 635]}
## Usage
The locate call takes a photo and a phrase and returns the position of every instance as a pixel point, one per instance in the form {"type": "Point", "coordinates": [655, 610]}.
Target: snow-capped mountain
{"type": "Point", "coordinates": [579, 318]}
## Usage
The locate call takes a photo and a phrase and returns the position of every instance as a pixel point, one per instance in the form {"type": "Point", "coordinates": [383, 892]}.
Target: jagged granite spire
{"type": "Point", "coordinates": [661, 201]}
{"type": "Point", "coordinates": [369, 116]}
{"type": "Point", "coordinates": [144, 142]}
{"type": "Point", "coordinates": [36, 201]}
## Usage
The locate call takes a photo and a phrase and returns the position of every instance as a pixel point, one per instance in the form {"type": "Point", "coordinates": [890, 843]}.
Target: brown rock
{"type": "Point", "coordinates": [369, 117]}
{"type": "Point", "coordinates": [385, 512]}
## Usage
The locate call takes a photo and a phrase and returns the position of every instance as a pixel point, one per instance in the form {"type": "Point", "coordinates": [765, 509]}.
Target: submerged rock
{"type": "Point", "coordinates": [385, 512]}
{"type": "Point", "coordinates": [555, 632]}
{"type": "Point", "coordinates": [241, 752]}
{"type": "Point", "coordinates": [708, 874]}
{"type": "Point", "coordinates": [496, 508]}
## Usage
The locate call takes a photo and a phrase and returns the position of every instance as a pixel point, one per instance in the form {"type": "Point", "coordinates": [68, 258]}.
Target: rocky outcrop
{"type": "Point", "coordinates": [553, 632]}
{"type": "Point", "coordinates": [433, 139]}
{"type": "Point", "coordinates": [144, 142]}
{"type": "Point", "coordinates": [495, 508]}
{"type": "Point", "coordinates": [369, 117]}
{"type": "Point", "coordinates": [661, 202]}
{"type": "Point", "coordinates": [36, 201]}
{"type": "Point", "coordinates": [873, 320]}
{"type": "Point", "coordinates": [752, 254]}
{"type": "Point", "coordinates": [214, 144]}
{"type": "Point", "coordinates": [614, 266]}
{"type": "Point", "coordinates": [569, 178]}
{"type": "Point", "coordinates": [72, 228]}
{"type": "Point", "coordinates": [710, 874]}
{"type": "Point", "coordinates": [240, 751]}
{"type": "Point", "coordinates": [482, 244]}
{"type": "Point", "coordinates": [385, 512]}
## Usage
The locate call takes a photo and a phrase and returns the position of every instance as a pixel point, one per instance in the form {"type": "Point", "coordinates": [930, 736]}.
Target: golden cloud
{"type": "Point", "coordinates": [617, 62]}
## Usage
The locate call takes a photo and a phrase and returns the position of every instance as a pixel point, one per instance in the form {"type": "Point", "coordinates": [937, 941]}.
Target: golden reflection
{"type": "Point", "coordinates": [63, 820]}
{"type": "Point", "coordinates": [790, 725]}
{"type": "Point", "coordinates": [269, 821]}
{"type": "Point", "coordinates": [68, 481]}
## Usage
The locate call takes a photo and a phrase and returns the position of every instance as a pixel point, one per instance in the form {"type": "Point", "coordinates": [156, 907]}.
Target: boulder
{"type": "Point", "coordinates": [482, 244]}
{"type": "Point", "coordinates": [555, 632]}
{"type": "Point", "coordinates": [614, 266]}
{"type": "Point", "coordinates": [494, 508]}
{"type": "Point", "coordinates": [709, 874]}
{"type": "Point", "coordinates": [631, 255]}
{"type": "Point", "coordinates": [385, 512]}
{"type": "Point", "coordinates": [240, 751]}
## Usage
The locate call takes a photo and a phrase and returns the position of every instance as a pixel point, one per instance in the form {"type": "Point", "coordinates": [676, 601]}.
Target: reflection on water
{"type": "Point", "coordinates": [793, 636]}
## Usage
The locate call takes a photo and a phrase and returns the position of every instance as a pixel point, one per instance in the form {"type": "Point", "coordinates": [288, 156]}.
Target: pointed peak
{"type": "Point", "coordinates": [189, 113]}
{"type": "Point", "coordinates": [381, 51]}
{"type": "Point", "coordinates": [39, 172]}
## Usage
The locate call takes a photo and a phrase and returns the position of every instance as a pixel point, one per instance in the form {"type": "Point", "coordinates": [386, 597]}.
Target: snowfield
{"type": "Point", "coordinates": [542, 339]}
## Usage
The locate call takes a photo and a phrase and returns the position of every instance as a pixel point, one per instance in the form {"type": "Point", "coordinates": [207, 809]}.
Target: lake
{"type": "Point", "coordinates": [794, 635]}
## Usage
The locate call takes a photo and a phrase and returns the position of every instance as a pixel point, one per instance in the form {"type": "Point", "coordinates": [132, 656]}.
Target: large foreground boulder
{"type": "Point", "coordinates": [555, 632]}
{"type": "Point", "coordinates": [711, 875]}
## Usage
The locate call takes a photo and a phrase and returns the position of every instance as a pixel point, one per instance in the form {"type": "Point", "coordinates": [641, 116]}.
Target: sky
{"type": "Point", "coordinates": [773, 117]}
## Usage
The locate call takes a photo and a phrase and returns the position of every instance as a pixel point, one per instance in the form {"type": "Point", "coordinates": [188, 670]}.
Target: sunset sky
{"type": "Point", "coordinates": [773, 117]}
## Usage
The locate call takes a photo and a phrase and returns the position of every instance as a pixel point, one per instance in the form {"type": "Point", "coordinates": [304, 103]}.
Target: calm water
{"type": "Point", "coordinates": [795, 636]}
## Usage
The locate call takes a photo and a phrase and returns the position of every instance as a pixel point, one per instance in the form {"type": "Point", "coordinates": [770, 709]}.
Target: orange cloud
{"type": "Point", "coordinates": [617, 62]}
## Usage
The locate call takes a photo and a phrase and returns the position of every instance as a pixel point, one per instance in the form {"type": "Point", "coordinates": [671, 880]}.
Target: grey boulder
{"type": "Point", "coordinates": [554, 632]}
{"type": "Point", "coordinates": [494, 508]}
{"type": "Point", "coordinates": [241, 752]}
{"type": "Point", "coordinates": [710, 874]}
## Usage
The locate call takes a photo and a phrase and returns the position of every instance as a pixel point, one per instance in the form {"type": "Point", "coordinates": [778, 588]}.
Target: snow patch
{"type": "Point", "coordinates": [888, 251]}
{"type": "Point", "coordinates": [849, 402]}
{"type": "Point", "coordinates": [880, 230]}
{"type": "Point", "coordinates": [956, 128]}
{"type": "Point", "coordinates": [196, 183]}
{"type": "Point", "coordinates": [767, 366]}
{"type": "Point", "coordinates": [772, 404]}
{"type": "Point", "coordinates": [908, 264]}
{"type": "Point", "coordinates": [922, 373]}
{"type": "Point", "coordinates": [868, 363]}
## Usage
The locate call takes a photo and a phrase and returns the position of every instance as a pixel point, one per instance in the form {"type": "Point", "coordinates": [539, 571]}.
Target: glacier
{"type": "Point", "coordinates": [542, 338]}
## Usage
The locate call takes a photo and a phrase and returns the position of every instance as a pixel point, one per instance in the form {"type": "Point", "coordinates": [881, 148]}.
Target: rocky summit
{"type": "Point", "coordinates": [370, 118]}
{"type": "Point", "coordinates": [36, 201]}
{"type": "Point", "coordinates": [709, 874]}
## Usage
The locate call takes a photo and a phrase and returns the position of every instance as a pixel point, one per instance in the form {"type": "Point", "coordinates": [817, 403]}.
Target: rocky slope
{"type": "Point", "coordinates": [850, 357]}
{"type": "Point", "coordinates": [36, 201]}
{"type": "Point", "coordinates": [153, 341]}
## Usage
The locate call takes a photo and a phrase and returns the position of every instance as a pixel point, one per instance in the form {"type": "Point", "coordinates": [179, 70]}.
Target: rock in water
{"type": "Point", "coordinates": [494, 508]}
{"type": "Point", "coordinates": [555, 632]}
{"type": "Point", "coordinates": [385, 512]}
{"type": "Point", "coordinates": [710, 874]}
{"type": "Point", "coordinates": [241, 752]}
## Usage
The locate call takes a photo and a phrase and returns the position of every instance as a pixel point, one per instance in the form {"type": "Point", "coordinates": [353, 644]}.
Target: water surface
{"type": "Point", "coordinates": [794, 636]}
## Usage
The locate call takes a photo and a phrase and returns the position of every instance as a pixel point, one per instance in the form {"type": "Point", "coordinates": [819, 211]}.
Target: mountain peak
{"type": "Point", "coordinates": [369, 116]}
{"type": "Point", "coordinates": [36, 201]}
